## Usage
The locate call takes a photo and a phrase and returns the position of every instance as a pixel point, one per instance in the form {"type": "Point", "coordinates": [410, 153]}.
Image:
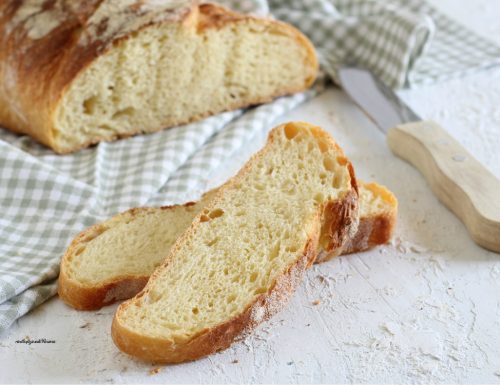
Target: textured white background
{"type": "Point", "coordinates": [425, 308]}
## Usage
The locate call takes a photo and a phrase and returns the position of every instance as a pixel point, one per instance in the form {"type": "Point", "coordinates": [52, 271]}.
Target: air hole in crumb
{"type": "Point", "coordinates": [292, 249]}
{"type": "Point", "coordinates": [329, 164]}
{"type": "Point", "coordinates": [288, 187]}
{"type": "Point", "coordinates": [195, 310]}
{"type": "Point", "coordinates": [323, 145]}
{"type": "Point", "coordinates": [126, 112]}
{"type": "Point", "coordinates": [89, 105]}
{"type": "Point", "coordinates": [274, 251]}
{"type": "Point", "coordinates": [153, 297]}
{"type": "Point", "coordinates": [226, 271]}
{"type": "Point", "coordinates": [231, 298]}
{"type": "Point", "coordinates": [310, 147]}
{"type": "Point", "coordinates": [253, 276]}
{"type": "Point", "coordinates": [216, 213]}
{"type": "Point", "coordinates": [212, 242]}
{"type": "Point", "coordinates": [259, 186]}
{"type": "Point", "coordinates": [204, 216]}
{"type": "Point", "coordinates": [318, 198]}
{"type": "Point", "coordinates": [105, 127]}
{"type": "Point", "coordinates": [260, 290]}
{"type": "Point", "coordinates": [291, 131]}
{"type": "Point", "coordinates": [337, 181]}
{"type": "Point", "coordinates": [342, 160]}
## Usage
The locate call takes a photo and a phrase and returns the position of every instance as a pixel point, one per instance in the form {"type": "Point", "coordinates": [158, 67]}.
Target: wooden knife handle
{"type": "Point", "coordinates": [460, 182]}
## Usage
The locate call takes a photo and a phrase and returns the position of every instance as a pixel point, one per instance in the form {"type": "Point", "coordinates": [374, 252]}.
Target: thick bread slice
{"type": "Point", "coordinates": [245, 253]}
{"type": "Point", "coordinates": [74, 73]}
{"type": "Point", "coordinates": [113, 260]}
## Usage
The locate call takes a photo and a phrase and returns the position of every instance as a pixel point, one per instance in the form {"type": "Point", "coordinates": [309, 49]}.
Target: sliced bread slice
{"type": "Point", "coordinates": [243, 256]}
{"type": "Point", "coordinates": [113, 260]}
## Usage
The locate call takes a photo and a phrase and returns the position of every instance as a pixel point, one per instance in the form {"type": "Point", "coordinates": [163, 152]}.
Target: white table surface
{"type": "Point", "coordinates": [425, 308]}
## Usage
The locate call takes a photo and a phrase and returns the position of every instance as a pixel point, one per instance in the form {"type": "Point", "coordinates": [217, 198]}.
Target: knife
{"type": "Point", "coordinates": [460, 182]}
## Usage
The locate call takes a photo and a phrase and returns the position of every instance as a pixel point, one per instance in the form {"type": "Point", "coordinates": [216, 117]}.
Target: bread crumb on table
{"type": "Point", "coordinates": [154, 371]}
{"type": "Point", "coordinates": [316, 302]}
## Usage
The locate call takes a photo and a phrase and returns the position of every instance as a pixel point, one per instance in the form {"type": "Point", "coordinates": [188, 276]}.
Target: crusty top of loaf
{"type": "Point", "coordinates": [102, 19]}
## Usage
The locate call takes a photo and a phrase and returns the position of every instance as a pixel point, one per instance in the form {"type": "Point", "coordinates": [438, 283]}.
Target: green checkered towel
{"type": "Point", "coordinates": [47, 199]}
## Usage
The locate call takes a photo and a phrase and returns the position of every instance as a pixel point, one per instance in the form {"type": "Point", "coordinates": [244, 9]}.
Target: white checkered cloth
{"type": "Point", "coordinates": [46, 199]}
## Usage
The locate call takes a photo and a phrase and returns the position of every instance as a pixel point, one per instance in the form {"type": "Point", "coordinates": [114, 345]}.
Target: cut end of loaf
{"type": "Point", "coordinates": [378, 210]}
{"type": "Point", "coordinates": [174, 73]}
{"type": "Point", "coordinates": [246, 252]}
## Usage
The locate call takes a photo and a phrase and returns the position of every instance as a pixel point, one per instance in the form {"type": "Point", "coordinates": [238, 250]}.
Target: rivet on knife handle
{"type": "Point", "coordinates": [456, 177]}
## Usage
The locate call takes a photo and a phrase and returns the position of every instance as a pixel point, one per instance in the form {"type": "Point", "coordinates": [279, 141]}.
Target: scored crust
{"type": "Point", "coordinates": [36, 73]}
{"type": "Point", "coordinates": [210, 340]}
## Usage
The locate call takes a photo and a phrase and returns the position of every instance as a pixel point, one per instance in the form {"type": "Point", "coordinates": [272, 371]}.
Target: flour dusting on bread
{"type": "Point", "coordinates": [38, 21]}
{"type": "Point", "coordinates": [115, 18]}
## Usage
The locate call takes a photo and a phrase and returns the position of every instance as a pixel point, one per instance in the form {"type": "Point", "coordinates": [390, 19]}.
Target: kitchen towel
{"type": "Point", "coordinates": [46, 199]}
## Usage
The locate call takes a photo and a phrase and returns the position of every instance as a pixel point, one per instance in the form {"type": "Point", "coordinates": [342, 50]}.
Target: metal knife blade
{"type": "Point", "coordinates": [379, 102]}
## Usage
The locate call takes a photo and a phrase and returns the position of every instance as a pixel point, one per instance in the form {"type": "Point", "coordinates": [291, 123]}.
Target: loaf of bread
{"type": "Point", "coordinates": [245, 253]}
{"type": "Point", "coordinates": [74, 73]}
{"type": "Point", "coordinates": [113, 260]}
